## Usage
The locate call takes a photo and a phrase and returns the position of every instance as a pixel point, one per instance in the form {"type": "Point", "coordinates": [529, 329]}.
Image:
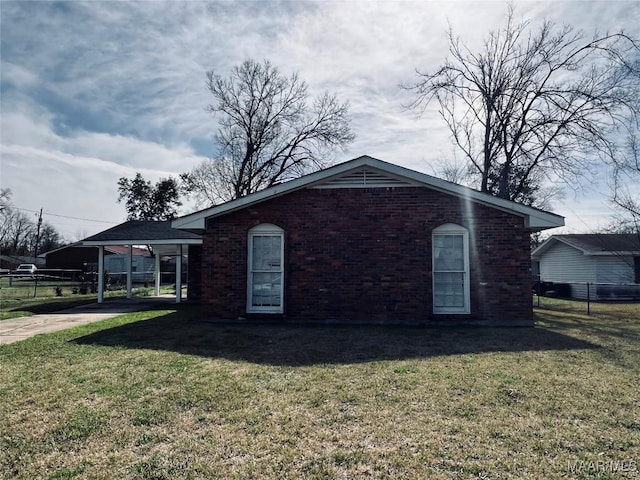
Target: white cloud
{"type": "Point", "coordinates": [77, 175]}
{"type": "Point", "coordinates": [93, 91]}
{"type": "Point", "coordinates": [18, 75]}
{"type": "Point", "coordinates": [22, 127]}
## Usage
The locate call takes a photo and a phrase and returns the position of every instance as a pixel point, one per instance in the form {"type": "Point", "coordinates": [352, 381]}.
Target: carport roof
{"type": "Point", "coordinates": [143, 232]}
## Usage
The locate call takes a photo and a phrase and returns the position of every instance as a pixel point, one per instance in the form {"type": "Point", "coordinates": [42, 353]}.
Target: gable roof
{"type": "Point", "coordinates": [368, 172]}
{"type": "Point", "coordinates": [64, 247]}
{"type": "Point", "coordinates": [595, 243]}
{"type": "Point", "coordinates": [143, 232]}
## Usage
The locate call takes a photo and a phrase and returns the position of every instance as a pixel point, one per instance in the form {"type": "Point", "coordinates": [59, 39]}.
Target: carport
{"type": "Point", "coordinates": [158, 235]}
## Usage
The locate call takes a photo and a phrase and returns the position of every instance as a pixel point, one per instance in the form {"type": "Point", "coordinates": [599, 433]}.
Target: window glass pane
{"type": "Point", "coordinates": [266, 289]}
{"type": "Point", "coordinates": [449, 289]}
{"type": "Point", "coordinates": [266, 253]}
{"type": "Point", "coordinates": [448, 253]}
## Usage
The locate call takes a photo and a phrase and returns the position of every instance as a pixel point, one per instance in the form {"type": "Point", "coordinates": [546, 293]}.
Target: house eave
{"type": "Point", "coordinates": [168, 241]}
{"type": "Point", "coordinates": [630, 253]}
{"type": "Point", "coordinates": [538, 252]}
{"type": "Point", "coordinates": [535, 220]}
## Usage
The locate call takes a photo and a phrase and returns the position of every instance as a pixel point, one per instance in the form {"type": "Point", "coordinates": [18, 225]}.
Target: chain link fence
{"type": "Point", "coordinates": [583, 296]}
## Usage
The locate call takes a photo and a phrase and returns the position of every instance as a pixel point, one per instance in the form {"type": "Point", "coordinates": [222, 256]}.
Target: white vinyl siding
{"type": "Point", "coordinates": [614, 269]}
{"type": "Point", "coordinates": [565, 264]}
{"type": "Point", "coordinates": [450, 261]}
{"type": "Point", "coordinates": [265, 279]}
{"type": "Point", "coordinates": [562, 263]}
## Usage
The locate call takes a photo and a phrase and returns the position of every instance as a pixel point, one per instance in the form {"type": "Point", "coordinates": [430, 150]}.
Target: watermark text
{"type": "Point", "coordinates": [602, 466]}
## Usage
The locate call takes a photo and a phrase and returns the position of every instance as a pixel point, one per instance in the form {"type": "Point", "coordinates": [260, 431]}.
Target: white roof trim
{"type": "Point", "coordinates": [548, 243]}
{"type": "Point", "coordinates": [534, 219]}
{"type": "Point", "coordinates": [142, 241]}
{"type": "Point", "coordinates": [631, 253]}
{"type": "Point", "coordinates": [74, 244]}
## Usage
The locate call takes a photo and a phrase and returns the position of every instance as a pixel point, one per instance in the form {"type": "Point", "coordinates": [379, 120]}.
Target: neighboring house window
{"type": "Point", "coordinates": [450, 269]}
{"type": "Point", "coordinates": [266, 271]}
{"type": "Point", "coordinates": [636, 269]}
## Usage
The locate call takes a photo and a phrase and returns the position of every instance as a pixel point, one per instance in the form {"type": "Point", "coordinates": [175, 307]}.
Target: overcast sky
{"type": "Point", "coordinates": [95, 91]}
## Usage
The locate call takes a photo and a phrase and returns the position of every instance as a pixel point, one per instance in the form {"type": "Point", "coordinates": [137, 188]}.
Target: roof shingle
{"type": "Point", "coordinates": [142, 231]}
{"type": "Point", "coordinates": [600, 242]}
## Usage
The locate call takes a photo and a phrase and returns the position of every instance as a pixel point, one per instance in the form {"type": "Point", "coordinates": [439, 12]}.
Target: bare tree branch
{"type": "Point", "coordinates": [533, 105]}
{"type": "Point", "coordinates": [626, 198]}
{"type": "Point", "coordinates": [268, 133]}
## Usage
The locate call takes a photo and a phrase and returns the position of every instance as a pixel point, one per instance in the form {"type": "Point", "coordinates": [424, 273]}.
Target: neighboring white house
{"type": "Point", "coordinates": [606, 265]}
{"type": "Point", "coordinates": [142, 265]}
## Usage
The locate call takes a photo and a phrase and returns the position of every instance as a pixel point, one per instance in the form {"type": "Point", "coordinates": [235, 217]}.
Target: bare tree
{"type": "Point", "coordinates": [18, 231]}
{"type": "Point", "coordinates": [452, 169]}
{"type": "Point", "coordinates": [5, 198]}
{"type": "Point", "coordinates": [270, 131]}
{"type": "Point", "coordinates": [626, 173]}
{"type": "Point", "coordinates": [6, 214]}
{"type": "Point", "coordinates": [208, 183]}
{"type": "Point", "coordinates": [534, 105]}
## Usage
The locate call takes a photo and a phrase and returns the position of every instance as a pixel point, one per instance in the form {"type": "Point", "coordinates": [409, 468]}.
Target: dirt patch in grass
{"type": "Point", "coordinates": [163, 395]}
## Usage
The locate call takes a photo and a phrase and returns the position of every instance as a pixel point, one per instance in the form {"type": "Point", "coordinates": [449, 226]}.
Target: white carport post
{"type": "Point", "coordinates": [157, 272]}
{"type": "Point", "coordinates": [100, 274]}
{"type": "Point", "coordinates": [178, 273]}
{"type": "Point", "coordinates": [129, 275]}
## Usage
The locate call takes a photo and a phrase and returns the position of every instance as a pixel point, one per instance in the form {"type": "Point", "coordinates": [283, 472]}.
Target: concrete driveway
{"type": "Point", "coordinates": [16, 329]}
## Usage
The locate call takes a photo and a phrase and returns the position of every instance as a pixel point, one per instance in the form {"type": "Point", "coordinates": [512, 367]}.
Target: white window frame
{"type": "Point", "coordinates": [262, 230]}
{"type": "Point", "coordinates": [452, 229]}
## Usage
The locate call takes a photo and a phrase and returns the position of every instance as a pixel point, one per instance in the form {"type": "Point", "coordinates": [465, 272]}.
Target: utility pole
{"type": "Point", "coordinates": [35, 248]}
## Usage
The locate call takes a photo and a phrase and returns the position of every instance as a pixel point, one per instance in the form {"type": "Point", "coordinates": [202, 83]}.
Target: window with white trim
{"type": "Point", "coordinates": [450, 263]}
{"type": "Point", "coordinates": [265, 279]}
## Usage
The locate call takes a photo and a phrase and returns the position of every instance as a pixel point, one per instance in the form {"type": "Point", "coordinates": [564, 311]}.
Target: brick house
{"type": "Point", "coordinates": [366, 242]}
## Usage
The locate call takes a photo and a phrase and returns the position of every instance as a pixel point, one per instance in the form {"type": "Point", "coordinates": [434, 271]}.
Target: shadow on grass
{"type": "Point", "coordinates": [619, 338]}
{"type": "Point", "coordinates": [114, 305]}
{"type": "Point", "coordinates": [38, 306]}
{"type": "Point", "coordinates": [605, 327]}
{"type": "Point", "coordinates": [292, 345]}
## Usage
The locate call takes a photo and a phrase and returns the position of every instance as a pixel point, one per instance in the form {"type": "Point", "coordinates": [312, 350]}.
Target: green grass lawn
{"type": "Point", "coordinates": [164, 395]}
{"type": "Point", "coordinates": [18, 300]}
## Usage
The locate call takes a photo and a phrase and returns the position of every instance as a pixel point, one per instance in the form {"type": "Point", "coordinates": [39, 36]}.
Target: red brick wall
{"type": "Point", "coordinates": [364, 255]}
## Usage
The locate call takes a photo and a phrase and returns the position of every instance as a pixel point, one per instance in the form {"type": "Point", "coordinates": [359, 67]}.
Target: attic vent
{"type": "Point", "coordinates": [364, 179]}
